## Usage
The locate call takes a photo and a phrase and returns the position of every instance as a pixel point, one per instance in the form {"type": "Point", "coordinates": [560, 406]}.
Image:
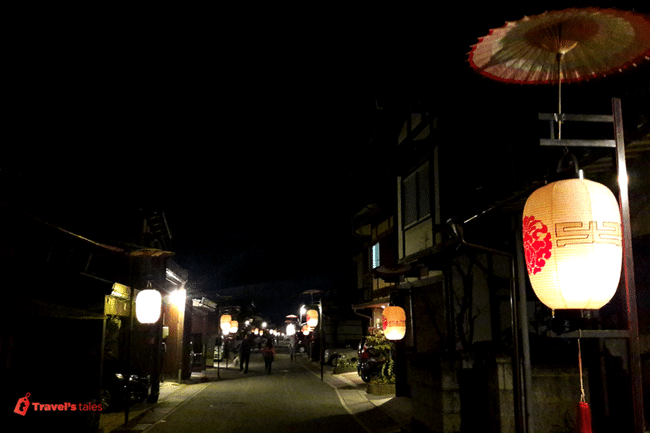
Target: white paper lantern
{"type": "Point", "coordinates": [573, 244]}
{"type": "Point", "coordinates": [394, 323]}
{"type": "Point", "coordinates": [291, 329]}
{"type": "Point", "coordinates": [234, 326]}
{"type": "Point", "coordinates": [225, 322]}
{"type": "Point", "coordinates": [312, 318]}
{"type": "Point", "coordinates": [147, 306]}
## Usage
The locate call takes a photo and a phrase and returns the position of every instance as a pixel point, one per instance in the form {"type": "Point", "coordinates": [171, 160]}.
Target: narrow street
{"type": "Point", "coordinates": [292, 399]}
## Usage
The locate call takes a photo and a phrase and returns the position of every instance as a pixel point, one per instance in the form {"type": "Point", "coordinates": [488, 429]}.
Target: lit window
{"type": "Point", "coordinates": [375, 256]}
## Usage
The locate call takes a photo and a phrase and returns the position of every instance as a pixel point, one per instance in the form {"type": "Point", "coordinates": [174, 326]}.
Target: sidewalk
{"type": "Point", "coordinates": [172, 395]}
{"type": "Point", "coordinates": [376, 413]}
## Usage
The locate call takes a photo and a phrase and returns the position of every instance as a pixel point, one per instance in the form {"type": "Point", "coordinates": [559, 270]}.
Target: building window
{"type": "Point", "coordinates": [375, 256]}
{"type": "Point", "coordinates": [416, 196]}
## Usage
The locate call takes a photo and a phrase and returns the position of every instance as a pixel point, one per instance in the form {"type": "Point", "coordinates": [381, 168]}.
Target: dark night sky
{"type": "Point", "coordinates": [242, 129]}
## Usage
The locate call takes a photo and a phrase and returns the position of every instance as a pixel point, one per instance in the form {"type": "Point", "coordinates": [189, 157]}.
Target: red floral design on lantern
{"type": "Point", "coordinates": [384, 323]}
{"type": "Point", "coordinates": [537, 244]}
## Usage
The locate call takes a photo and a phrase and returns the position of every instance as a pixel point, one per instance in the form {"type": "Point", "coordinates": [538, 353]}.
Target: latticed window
{"type": "Point", "coordinates": [416, 196]}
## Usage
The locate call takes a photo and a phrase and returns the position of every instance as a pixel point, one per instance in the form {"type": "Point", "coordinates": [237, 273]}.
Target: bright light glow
{"type": "Point", "coordinates": [264, 325]}
{"type": "Point", "coordinates": [312, 318]}
{"type": "Point", "coordinates": [225, 323]}
{"type": "Point", "coordinates": [623, 180]}
{"type": "Point", "coordinates": [291, 329]}
{"type": "Point", "coordinates": [177, 298]}
{"type": "Point", "coordinates": [573, 244]}
{"type": "Point", "coordinates": [394, 323]}
{"type": "Point", "coordinates": [234, 326]}
{"type": "Point", "coordinates": [147, 306]}
{"type": "Point", "coordinates": [375, 256]}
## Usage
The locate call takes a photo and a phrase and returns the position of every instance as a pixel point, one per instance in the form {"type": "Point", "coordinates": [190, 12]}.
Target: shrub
{"type": "Point", "coordinates": [383, 349]}
{"type": "Point", "coordinates": [381, 346]}
{"type": "Point", "coordinates": [386, 374]}
{"type": "Point", "coordinates": [346, 362]}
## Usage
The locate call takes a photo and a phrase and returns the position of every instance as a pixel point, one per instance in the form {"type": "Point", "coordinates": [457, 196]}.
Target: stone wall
{"type": "Point", "coordinates": [450, 396]}
{"type": "Point", "coordinates": [435, 395]}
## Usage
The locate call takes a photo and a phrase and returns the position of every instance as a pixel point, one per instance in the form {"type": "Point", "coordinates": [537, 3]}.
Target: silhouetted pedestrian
{"type": "Point", "coordinates": [245, 354]}
{"type": "Point", "coordinates": [268, 353]}
{"type": "Point", "coordinates": [292, 347]}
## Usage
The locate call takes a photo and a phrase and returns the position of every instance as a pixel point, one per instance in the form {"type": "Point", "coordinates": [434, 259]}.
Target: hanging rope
{"type": "Point", "coordinates": [583, 418]}
{"type": "Point", "coordinates": [582, 386]}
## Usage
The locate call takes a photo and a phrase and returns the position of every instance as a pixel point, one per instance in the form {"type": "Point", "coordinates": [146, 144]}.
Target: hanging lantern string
{"type": "Point", "coordinates": [582, 387]}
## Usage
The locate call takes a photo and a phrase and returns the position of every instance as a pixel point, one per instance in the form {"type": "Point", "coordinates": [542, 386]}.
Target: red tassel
{"type": "Point", "coordinates": [583, 419]}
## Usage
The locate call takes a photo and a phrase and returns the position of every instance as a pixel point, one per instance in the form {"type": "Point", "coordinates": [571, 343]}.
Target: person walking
{"type": "Point", "coordinates": [268, 353]}
{"type": "Point", "coordinates": [244, 354]}
{"type": "Point", "coordinates": [292, 347]}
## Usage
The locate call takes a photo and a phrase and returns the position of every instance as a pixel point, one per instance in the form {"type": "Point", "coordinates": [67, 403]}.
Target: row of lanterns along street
{"type": "Point", "coordinates": [572, 244]}
{"type": "Point", "coordinates": [573, 249]}
{"type": "Point", "coordinates": [572, 241]}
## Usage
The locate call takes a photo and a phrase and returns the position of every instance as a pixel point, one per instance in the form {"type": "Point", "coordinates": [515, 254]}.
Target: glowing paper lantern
{"type": "Point", "coordinates": [312, 318]}
{"type": "Point", "coordinates": [394, 323]}
{"type": "Point", "coordinates": [234, 326]}
{"type": "Point", "coordinates": [291, 329]}
{"type": "Point", "coordinates": [306, 330]}
{"type": "Point", "coordinates": [147, 306]}
{"type": "Point", "coordinates": [573, 245]}
{"type": "Point", "coordinates": [225, 322]}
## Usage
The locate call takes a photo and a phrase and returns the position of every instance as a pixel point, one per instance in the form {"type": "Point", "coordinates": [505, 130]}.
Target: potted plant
{"type": "Point", "coordinates": [384, 381]}
{"type": "Point", "coordinates": [345, 365]}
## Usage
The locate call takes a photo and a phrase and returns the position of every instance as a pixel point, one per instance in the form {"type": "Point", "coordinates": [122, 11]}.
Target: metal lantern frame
{"type": "Point", "coordinates": [522, 372]}
{"type": "Point", "coordinates": [629, 292]}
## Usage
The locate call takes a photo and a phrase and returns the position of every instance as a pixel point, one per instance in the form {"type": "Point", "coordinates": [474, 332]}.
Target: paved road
{"type": "Point", "coordinates": [291, 399]}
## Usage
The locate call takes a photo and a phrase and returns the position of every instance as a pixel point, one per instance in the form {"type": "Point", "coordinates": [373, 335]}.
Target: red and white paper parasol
{"type": "Point", "coordinates": [563, 46]}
